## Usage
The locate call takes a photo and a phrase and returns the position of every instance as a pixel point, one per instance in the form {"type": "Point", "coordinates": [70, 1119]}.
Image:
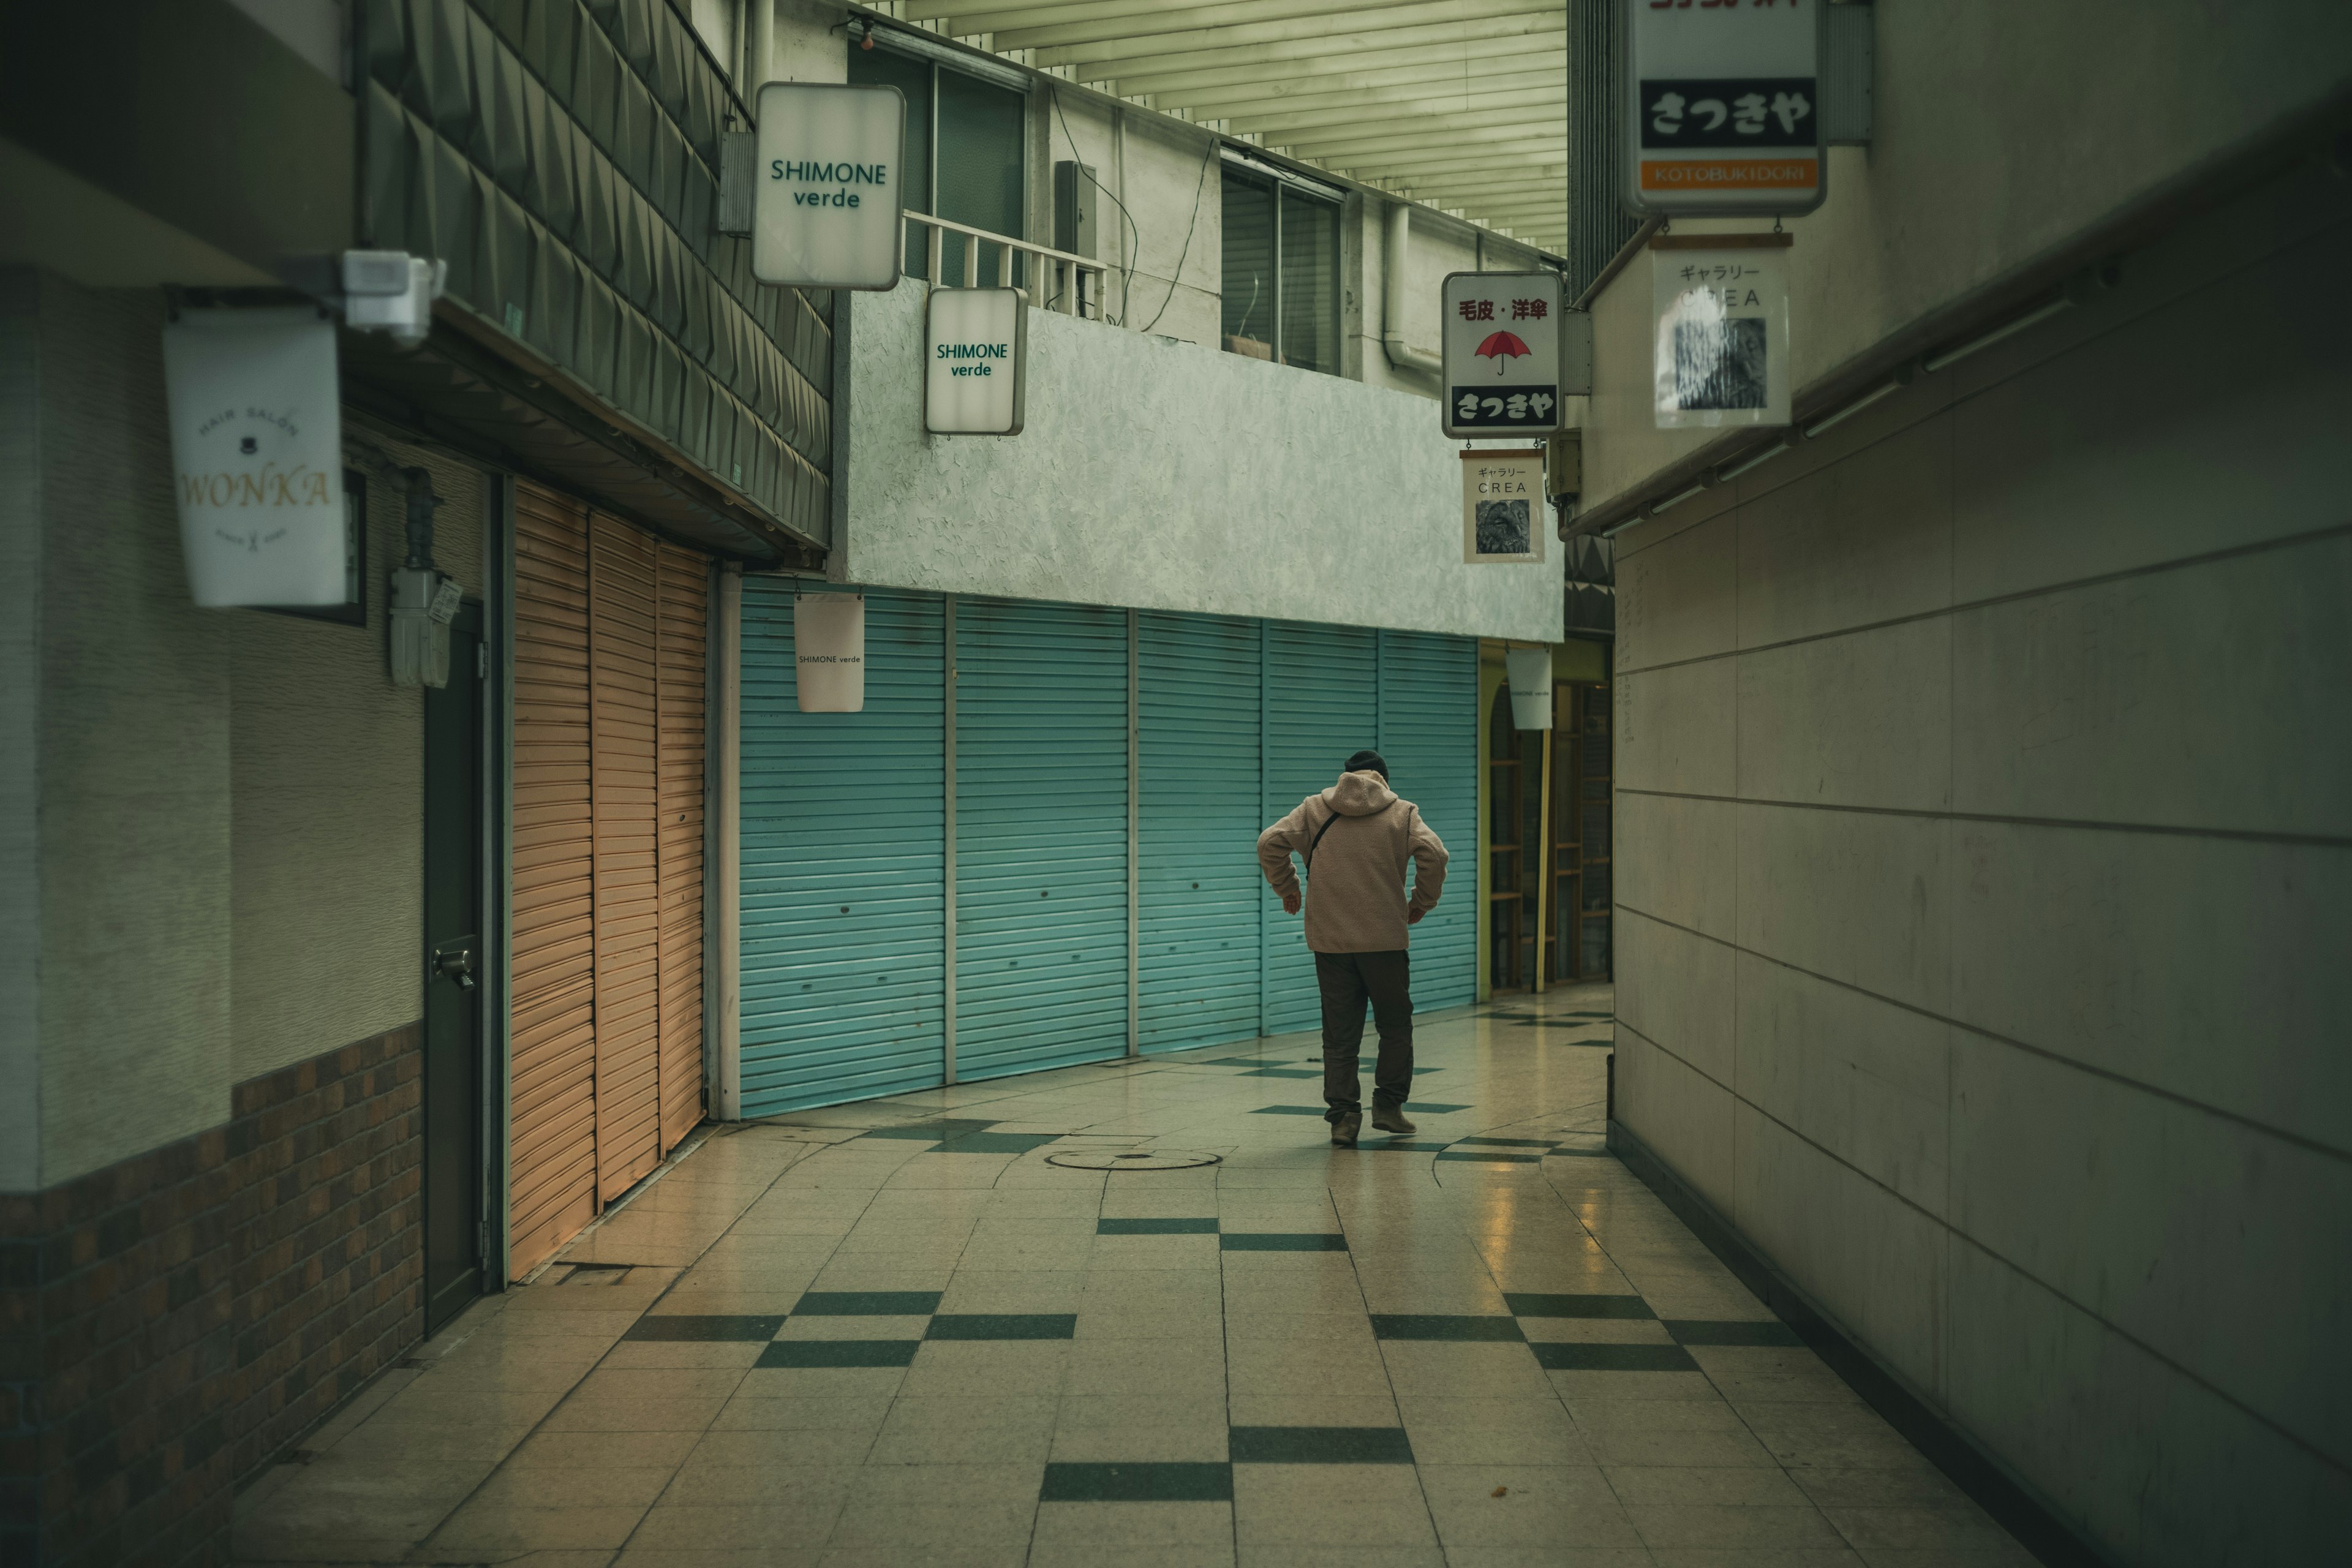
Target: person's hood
{"type": "Point", "coordinates": [1359, 795]}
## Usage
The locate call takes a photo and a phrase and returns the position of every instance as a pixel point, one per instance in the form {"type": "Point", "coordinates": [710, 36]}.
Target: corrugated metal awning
{"type": "Point", "coordinates": [1460, 104]}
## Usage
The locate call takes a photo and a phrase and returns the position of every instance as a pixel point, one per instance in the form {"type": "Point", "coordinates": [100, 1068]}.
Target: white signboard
{"type": "Point", "coordinates": [1529, 673]}
{"type": "Point", "coordinates": [829, 652]}
{"type": "Point", "coordinates": [975, 359]}
{"type": "Point", "coordinates": [1721, 106]}
{"type": "Point", "coordinates": [1721, 331]}
{"type": "Point", "coordinates": [258, 456]}
{"type": "Point", "coordinates": [826, 207]}
{"type": "Point", "coordinates": [1511, 353]}
{"type": "Point", "coordinates": [1502, 506]}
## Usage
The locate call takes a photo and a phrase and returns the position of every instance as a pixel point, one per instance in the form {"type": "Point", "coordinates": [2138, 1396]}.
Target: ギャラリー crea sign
{"type": "Point", "coordinates": [1502, 507]}
{"type": "Point", "coordinates": [258, 456]}
{"type": "Point", "coordinates": [1719, 329]}
{"type": "Point", "coordinates": [975, 355]}
{"type": "Point", "coordinates": [828, 186]}
{"type": "Point", "coordinates": [1720, 106]}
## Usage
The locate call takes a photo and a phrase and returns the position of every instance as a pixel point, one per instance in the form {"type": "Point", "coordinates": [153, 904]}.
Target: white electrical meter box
{"type": "Point", "coordinates": [975, 353]}
{"type": "Point", "coordinates": [827, 184]}
{"type": "Point", "coordinates": [1720, 107]}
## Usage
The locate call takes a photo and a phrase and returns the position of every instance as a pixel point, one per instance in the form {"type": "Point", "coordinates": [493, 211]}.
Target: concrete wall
{"type": "Point", "coordinates": [212, 819]}
{"type": "Point", "coordinates": [2002, 129]}
{"type": "Point", "coordinates": [1167, 475]}
{"type": "Point", "coordinates": [1984, 868]}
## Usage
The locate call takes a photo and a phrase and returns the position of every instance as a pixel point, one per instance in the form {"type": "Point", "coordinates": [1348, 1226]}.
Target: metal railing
{"type": "Point", "coordinates": [1069, 274]}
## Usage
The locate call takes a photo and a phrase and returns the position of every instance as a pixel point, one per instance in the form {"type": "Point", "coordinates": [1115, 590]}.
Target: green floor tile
{"type": "Point", "coordinates": [997, 1143]}
{"type": "Point", "coordinates": [1319, 1446]}
{"type": "Point", "coordinates": [1282, 1241]}
{"type": "Point", "coordinates": [931, 1131]}
{"type": "Point", "coordinates": [1155, 1227]}
{"type": "Point", "coordinates": [682, 1327]}
{"type": "Point", "coordinates": [1573, 1357]}
{"type": "Point", "coordinates": [1431, 1107]}
{"type": "Point", "coordinates": [1533, 1304]}
{"type": "Point", "coordinates": [866, 1304]}
{"type": "Point", "coordinates": [1504, 1143]}
{"type": "Point", "coordinates": [1444, 1326]}
{"type": "Point", "coordinates": [1003, 1326]}
{"type": "Point", "coordinates": [839, 1352]}
{"type": "Point", "coordinates": [1289, 1110]}
{"type": "Point", "coordinates": [1719, 1332]}
{"type": "Point", "coordinates": [1282, 1072]}
{"type": "Point", "coordinates": [1491, 1157]}
{"type": "Point", "coordinates": [1138, 1483]}
{"type": "Point", "coordinates": [1406, 1145]}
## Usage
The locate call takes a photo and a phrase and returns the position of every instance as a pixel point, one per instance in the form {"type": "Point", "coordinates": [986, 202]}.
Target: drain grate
{"type": "Point", "coordinates": [1131, 1158]}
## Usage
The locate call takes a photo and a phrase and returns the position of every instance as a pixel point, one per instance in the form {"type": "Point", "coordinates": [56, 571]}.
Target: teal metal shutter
{"type": "Point", "coordinates": [1041, 836]}
{"type": "Point", "coordinates": [1429, 733]}
{"type": "Point", "coordinates": [843, 863]}
{"type": "Point", "coordinates": [1197, 965]}
{"type": "Point", "coordinates": [1320, 703]}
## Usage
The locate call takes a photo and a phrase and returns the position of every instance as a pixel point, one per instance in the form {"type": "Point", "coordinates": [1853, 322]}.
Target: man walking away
{"type": "Point", "coordinates": [1356, 838]}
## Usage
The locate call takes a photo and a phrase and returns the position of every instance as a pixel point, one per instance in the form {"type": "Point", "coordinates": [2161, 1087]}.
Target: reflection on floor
{"type": "Point", "coordinates": [894, 1333]}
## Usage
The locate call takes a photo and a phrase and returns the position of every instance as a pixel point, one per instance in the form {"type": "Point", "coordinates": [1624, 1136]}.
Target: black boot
{"type": "Point", "coordinates": [1344, 1131]}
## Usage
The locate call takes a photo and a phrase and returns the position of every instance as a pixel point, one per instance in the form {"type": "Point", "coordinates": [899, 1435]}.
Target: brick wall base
{"type": "Point", "coordinates": [171, 1322]}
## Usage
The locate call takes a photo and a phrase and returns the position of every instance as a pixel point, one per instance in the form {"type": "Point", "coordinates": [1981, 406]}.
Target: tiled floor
{"type": "Point", "coordinates": [893, 1334]}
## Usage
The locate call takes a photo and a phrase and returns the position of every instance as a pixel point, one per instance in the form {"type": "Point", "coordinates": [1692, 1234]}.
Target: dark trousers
{"type": "Point", "coordinates": [1347, 981]}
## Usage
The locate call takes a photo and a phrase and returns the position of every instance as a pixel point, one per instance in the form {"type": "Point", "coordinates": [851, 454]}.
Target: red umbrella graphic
{"type": "Point", "coordinates": [1500, 347]}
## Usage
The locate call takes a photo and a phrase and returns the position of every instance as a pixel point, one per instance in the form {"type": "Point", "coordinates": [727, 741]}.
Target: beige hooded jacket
{"type": "Point", "coordinates": [1355, 895]}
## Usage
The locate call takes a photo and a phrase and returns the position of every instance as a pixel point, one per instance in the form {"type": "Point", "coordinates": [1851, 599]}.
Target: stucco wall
{"type": "Point", "coordinates": [1169, 476]}
{"type": "Point", "coordinates": [229, 830]}
{"type": "Point", "coordinates": [1984, 877]}
{"type": "Point", "coordinates": [2002, 129]}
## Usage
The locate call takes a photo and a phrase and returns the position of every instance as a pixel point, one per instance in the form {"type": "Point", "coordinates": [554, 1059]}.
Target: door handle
{"type": "Point", "coordinates": [455, 963]}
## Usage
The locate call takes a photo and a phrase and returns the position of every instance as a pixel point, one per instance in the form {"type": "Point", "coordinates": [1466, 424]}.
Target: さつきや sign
{"type": "Point", "coordinates": [826, 191]}
{"type": "Point", "coordinates": [1720, 106]}
{"type": "Point", "coordinates": [975, 357]}
{"type": "Point", "coordinates": [1511, 353]}
{"type": "Point", "coordinates": [258, 456]}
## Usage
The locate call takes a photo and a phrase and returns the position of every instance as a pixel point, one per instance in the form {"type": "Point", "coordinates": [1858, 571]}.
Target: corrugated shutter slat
{"type": "Point", "coordinates": [844, 861]}
{"type": "Point", "coordinates": [1321, 705]}
{"type": "Point", "coordinates": [1429, 733]}
{"type": "Point", "coordinates": [620, 619]}
{"type": "Point", "coordinates": [1041, 836]}
{"type": "Point", "coordinates": [1197, 960]}
{"type": "Point", "coordinates": [679, 681]}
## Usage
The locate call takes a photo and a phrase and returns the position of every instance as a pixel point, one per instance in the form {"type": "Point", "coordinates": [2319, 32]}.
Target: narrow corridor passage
{"type": "Point", "coordinates": [895, 1333]}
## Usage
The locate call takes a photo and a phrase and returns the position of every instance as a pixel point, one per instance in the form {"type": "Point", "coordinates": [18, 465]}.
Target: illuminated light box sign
{"type": "Point", "coordinates": [1720, 106]}
{"type": "Point", "coordinates": [1511, 353]}
{"type": "Point", "coordinates": [255, 416]}
{"type": "Point", "coordinates": [828, 185]}
{"type": "Point", "coordinates": [975, 361]}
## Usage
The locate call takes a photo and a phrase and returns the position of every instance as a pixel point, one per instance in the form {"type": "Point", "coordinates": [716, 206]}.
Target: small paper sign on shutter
{"type": "Point", "coordinates": [829, 652]}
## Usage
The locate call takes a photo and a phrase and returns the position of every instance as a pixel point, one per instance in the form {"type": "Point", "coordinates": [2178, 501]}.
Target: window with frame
{"type": "Point", "coordinates": [1281, 283]}
{"type": "Point", "coordinates": [965, 159]}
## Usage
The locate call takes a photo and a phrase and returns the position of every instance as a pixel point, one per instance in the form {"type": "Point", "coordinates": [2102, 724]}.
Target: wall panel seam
{"type": "Point", "coordinates": [2297, 1140]}
{"type": "Point", "coordinates": [1955, 1232]}
{"type": "Point", "coordinates": [2088, 825]}
{"type": "Point", "coordinates": [2098, 580]}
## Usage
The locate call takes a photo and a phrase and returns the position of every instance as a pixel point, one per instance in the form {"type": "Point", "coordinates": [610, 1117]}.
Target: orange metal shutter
{"type": "Point", "coordinates": [684, 578]}
{"type": "Point", "coordinates": [553, 1189]}
{"type": "Point", "coordinates": [621, 655]}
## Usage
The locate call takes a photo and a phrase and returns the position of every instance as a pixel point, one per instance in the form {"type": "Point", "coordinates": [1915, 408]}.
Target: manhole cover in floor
{"type": "Point", "coordinates": [1131, 1158]}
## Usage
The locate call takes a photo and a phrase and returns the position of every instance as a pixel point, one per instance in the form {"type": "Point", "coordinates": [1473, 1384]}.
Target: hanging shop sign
{"type": "Point", "coordinates": [1719, 106]}
{"type": "Point", "coordinates": [976, 360]}
{"type": "Point", "coordinates": [828, 185]}
{"type": "Point", "coordinates": [258, 456]}
{"type": "Point", "coordinates": [1503, 507]}
{"type": "Point", "coordinates": [1511, 353]}
{"type": "Point", "coordinates": [829, 652]}
{"type": "Point", "coordinates": [1720, 306]}
{"type": "Point", "coordinates": [1530, 672]}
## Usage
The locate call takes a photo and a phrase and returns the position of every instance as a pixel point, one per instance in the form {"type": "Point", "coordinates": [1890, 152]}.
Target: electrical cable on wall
{"type": "Point", "coordinates": [1126, 272]}
{"type": "Point", "coordinates": [1199, 186]}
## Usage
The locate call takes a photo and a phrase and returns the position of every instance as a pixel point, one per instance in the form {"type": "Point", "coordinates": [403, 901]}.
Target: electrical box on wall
{"type": "Point", "coordinates": [1075, 195]}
